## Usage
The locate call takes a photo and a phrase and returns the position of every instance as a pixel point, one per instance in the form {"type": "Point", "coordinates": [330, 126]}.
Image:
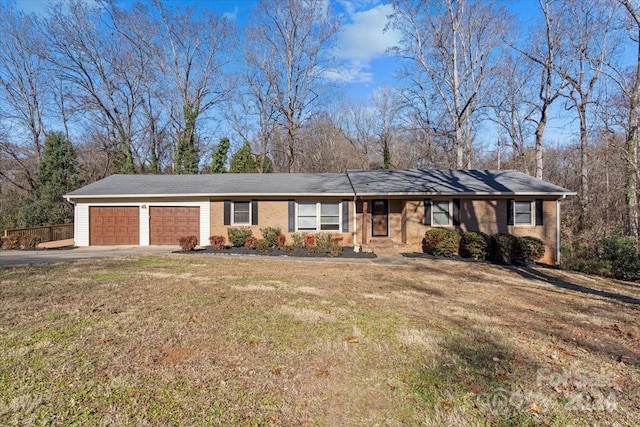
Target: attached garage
{"type": "Point", "coordinates": [168, 223]}
{"type": "Point", "coordinates": [114, 225]}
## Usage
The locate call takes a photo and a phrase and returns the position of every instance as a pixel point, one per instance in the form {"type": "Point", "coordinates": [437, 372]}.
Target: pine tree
{"type": "Point", "coordinates": [57, 176]}
{"type": "Point", "coordinates": [219, 159]}
{"type": "Point", "coordinates": [243, 160]}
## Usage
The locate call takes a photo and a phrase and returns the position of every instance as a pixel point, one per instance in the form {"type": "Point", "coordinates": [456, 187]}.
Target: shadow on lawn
{"type": "Point", "coordinates": [536, 274]}
{"type": "Point", "coordinates": [477, 377]}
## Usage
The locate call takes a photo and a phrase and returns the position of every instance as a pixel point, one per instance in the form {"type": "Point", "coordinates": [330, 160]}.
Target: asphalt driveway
{"type": "Point", "coordinates": [45, 256]}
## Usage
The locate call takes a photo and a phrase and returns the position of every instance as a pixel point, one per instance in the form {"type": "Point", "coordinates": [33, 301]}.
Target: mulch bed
{"type": "Point", "coordinates": [346, 253]}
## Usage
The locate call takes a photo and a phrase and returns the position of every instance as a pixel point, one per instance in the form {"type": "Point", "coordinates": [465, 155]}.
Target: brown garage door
{"type": "Point", "coordinates": [114, 226]}
{"type": "Point", "coordinates": [167, 224]}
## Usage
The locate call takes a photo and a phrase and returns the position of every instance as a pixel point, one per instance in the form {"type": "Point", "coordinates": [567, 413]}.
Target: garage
{"type": "Point", "coordinates": [114, 225]}
{"type": "Point", "coordinates": [167, 224]}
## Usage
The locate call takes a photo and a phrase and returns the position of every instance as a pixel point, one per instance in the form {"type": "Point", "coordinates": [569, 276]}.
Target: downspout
{"type": "Point", "coordinates": [558, 230]}
{"type": "Point", "coordinates": [75, 215]}
{"type": "Point", "coordinates": [356, 246]}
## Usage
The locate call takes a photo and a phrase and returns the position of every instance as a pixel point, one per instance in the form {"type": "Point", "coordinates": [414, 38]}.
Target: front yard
{"type": "Point", "coordinates": [204, 340]}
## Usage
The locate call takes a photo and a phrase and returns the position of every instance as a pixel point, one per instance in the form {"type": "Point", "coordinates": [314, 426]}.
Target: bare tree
{"type": "Point", "coordinates": [24, 94]}
{"type": "Point", "coordinates": [629, 82]}
{"type": "Point", "coordinates": [288, 52]}
{"type": "Point", "coordinates": [93, 62]}
{"type": "Point", "coordinates": [542, 51]}
{"type": "Point", "coordinates": [586, 45]}
{"type": "Point", "coordinates": [452, 48]}
{"type": "Point", "coordinates": [197, 47]}
{"type": "Point", "coordinates": [511, 109]}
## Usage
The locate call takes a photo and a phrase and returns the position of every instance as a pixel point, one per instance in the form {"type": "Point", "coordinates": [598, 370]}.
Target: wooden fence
{"type": "Point", "coordinates": [47, 233]}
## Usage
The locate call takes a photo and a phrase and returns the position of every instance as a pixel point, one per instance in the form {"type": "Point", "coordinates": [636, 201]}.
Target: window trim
{"type": "Point", "coordinates": [532, 211]}
{"type": "Point", "coordinates": [318, 216]}
{"type": "Point", "coordinates": [449, 212]}
{"type": "Point", "coordinates": [233, 212]}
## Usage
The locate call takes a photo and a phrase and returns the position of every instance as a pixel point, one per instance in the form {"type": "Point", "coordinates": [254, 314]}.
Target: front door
{"type": "Point", "coordinates": [379, 218]}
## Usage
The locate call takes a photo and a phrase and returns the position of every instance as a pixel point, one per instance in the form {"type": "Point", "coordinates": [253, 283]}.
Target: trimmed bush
{"type": "Point", "coordinates": [29, 242]}
{"type": "Point", "coordinates": [298, 241]}
{"type": "Point", "coordinates": [250, 242]}
{"type": "Point", "coordinates": [528, 249]}
{"type": "Point", "coordinates": [237, 235]}
{"type": "Point", "coordinates": [441, 242]}
{"type": "Point", "coordinates": [269, 234]}
{"type": "Point", "coordinates": [280, 241]}
{"type": "Point", "coordinates": [262, 245]}
{"type": "Point", "coordinates": [501, 247]}
{"type": "Point", "coordinates": [217, 242]}
{"type": "Point", "coordinates": [323, 240]}
{"type": "Point", "coordinates": [309, 240]}
{"type": "Point", "coordinates": [188, 243]}
{"type": "Point", "coordinates": [474, 245]}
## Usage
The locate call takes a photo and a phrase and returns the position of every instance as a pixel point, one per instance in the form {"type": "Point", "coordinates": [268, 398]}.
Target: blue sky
{"type": "Point", "coordinates": [361, 45]}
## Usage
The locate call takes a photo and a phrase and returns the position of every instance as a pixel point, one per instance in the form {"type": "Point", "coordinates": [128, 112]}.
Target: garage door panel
{"type": "Point", "coordinates": [168, 224]}
{"type": "Point", "coordinates": [114, 226]}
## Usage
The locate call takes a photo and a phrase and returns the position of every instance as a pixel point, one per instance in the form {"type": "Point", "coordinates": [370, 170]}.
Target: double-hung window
{"type": "Point", "coordinates": [318, 216]}
{"type": "Point", "coordinates": [241, 213]}
{"type": "Point", "coordinates": [441, 212]}
{"type": "Point", "coordinates": [522, 212]}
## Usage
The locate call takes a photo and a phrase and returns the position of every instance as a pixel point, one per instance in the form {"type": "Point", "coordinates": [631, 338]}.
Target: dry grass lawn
{"type": "Point", "coordinates": [202, 340]}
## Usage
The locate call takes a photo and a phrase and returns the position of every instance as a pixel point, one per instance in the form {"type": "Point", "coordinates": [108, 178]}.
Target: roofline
{"type": "Point", "coordinates": [69, 197]}
{"type": "Point", "coordinates": [194, 195]}
{"type": "Point", "coordinates": [469, 193]}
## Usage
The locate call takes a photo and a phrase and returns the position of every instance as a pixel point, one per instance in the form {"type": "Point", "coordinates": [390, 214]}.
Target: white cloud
{"type": "Point", "coordinates": [364, 39]}
{"type": "Point", "coordinates": [232, 15]}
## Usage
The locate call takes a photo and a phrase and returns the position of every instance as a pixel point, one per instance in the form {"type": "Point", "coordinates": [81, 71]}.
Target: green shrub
{"type": "Point", "coordinates": [591, 265]}
{"type": "Point", "coordinates": [270, 234]}
{"type": "Point", "coordinates": [441, 242]}
{"type": "Point", "coordinates": [623, 256]}
{"type": "Point", "coordinates": [262, 245]}
{"type": "Point", "coordinates": [323, 241]}
{"type": "Point", "coordinates": [10, 242]}
{"type": "Point", "coordinates": [474, 245]}
{"type": "Point", "coordinates": [250, 242]}
{"type": "Point", "coordinates": [298, 241]}
{"type": "Point", "coordinates": [528, 249]}
{"type": "Point", "coordinates": [501, 247]}
{"type": "Point", "coordinates": [29, 242]}
{"type": "Point", "coordinates": [188, 243]}
{"type": "Point", "coordinates": [237, 235]}
{"type": "Point", "coordinates": [280, 241]}
{"type": "Point", "coordinates": [217, 242]}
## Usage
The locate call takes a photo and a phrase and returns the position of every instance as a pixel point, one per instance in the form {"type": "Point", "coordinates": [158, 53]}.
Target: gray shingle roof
{"type": "Point", "coordinates": [217, 184]}
{"type": "Point", "coordinates": [450, 182]}
{"type": "Point", "coordinates": [363, 182]}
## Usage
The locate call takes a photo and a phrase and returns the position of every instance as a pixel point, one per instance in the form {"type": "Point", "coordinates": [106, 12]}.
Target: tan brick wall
{"type": "Point", "coordinates": [271, 213]}
{"type": "Point", "coordinates": [486, 215]}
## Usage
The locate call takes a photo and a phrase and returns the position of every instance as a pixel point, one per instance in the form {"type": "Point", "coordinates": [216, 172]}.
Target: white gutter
{"type": "Point", "coordinates": [200, 195]}
{"type": "Point", "coordinates": [558, 231]}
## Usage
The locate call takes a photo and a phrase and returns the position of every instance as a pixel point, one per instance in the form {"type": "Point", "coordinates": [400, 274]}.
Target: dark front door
{"type": "Point", "coordinates": [380, 218]}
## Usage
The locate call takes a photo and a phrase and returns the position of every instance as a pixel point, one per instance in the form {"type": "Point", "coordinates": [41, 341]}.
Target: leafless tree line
{"type": "Point", "coordinates": [151, 88]}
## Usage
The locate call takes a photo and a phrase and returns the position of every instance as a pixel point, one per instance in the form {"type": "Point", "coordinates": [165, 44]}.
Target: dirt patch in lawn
{"type": "Point", "coordinates": [183, 340]}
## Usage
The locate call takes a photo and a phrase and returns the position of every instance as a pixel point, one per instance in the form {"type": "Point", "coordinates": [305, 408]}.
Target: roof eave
{"type": "Point", "coordinates": [477, 193]}
{"type": "Point", "coordinates": [201, 195]}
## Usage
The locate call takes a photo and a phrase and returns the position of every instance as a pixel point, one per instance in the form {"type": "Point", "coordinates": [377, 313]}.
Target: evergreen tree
{"type": "Point", "coordinates": [243, 160]}
{"type": "Point", "coordinates": [188, 152]}
{"type": "Point", "coordinates": [219, 160]}
{"type": "Point", "coordinates": [57, 176]}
